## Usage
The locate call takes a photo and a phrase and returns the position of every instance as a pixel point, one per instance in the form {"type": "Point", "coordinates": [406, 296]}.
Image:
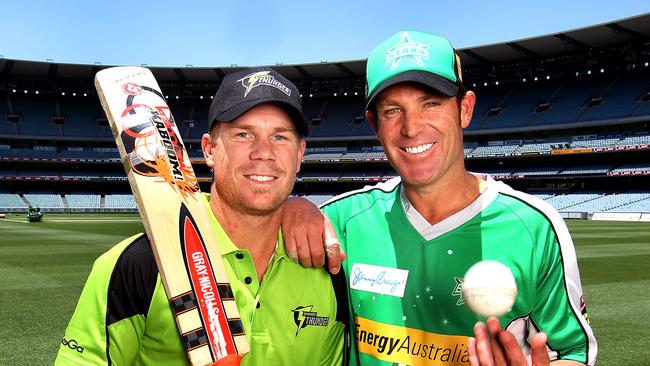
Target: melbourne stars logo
{"type": "Point", "coordinates": [406, 50]}
{"type": "Point", "coordinates": [303, 317]}
{"type": "Point", "coordinates": [256, 79]}
{"type": "Point", "coordinates": [458, 291]}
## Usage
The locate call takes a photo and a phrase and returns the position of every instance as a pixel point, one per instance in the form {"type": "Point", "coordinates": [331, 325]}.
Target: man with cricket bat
{"type": "Point", "coordinates": [289, 313]}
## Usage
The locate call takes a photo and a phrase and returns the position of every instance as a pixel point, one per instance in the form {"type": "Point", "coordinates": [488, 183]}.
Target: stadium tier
{"type": "Point", "coordinates": [568, 121]}
{"type": "Point", "coordinates": [527, 105]}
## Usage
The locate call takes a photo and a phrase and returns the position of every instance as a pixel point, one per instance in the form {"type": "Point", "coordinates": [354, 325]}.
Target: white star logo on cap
{"type": "Point", "coordinates": [406, 50]}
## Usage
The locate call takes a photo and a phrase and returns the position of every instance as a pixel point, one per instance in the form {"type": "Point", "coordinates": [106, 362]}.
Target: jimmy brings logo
{"type": "Point", "coordinates": [256, 79]}
{"type": "Point", "coordinates": [303, 317]}
{"type": "Point", "coordinates": [378, 279]}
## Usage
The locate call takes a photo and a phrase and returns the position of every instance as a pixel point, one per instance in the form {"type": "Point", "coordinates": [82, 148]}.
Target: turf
{"type": "Point", "coordinates": [43, 267]}
{"type": "Point", "coordinates": [614, 260]}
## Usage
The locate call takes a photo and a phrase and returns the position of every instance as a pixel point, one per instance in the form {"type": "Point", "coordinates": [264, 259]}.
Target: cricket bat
{"type": "Point", "coordinates": [174, 215]}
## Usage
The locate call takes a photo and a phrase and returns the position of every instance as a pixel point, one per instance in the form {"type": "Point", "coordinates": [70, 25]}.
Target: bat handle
{"type": "Point", "coordinates": [230, 360]}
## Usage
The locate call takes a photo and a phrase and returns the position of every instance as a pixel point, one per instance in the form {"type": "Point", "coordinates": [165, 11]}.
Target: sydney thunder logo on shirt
{"type": "Point", "coordinates": [256, 79]}
{"type": "Point", "coordinates": [303, 316]}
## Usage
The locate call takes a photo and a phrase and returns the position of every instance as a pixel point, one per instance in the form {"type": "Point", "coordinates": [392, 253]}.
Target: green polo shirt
{"type": "Point", "coordinates": [123, 316]}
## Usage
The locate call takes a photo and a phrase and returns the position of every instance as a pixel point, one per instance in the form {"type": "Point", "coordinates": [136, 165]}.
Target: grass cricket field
{"type": "Point", "coordinates": [43, 267]}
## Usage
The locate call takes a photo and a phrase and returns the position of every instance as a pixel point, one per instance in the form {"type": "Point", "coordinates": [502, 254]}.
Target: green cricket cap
{"type": "Point", "coordinates": [415, 56]}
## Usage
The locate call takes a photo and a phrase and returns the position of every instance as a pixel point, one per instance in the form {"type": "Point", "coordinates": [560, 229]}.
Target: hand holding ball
{"type": "Point", "coordinates": [489, 288]}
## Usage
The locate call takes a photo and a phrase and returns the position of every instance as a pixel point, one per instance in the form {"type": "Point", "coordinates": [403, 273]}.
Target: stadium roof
{"type": "Point", "coordinates": [599, 36]}
{"type": "Point", "coordinates": [631, 31]}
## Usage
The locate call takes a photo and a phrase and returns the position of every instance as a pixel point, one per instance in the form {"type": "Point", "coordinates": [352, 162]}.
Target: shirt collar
{"type": "Point", "coordinates": [226, 246]}
{"type": "Point", "coordinates": [430, 232]}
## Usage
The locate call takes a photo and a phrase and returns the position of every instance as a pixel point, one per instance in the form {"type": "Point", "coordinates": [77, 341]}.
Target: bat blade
{"type": "Point", "coordinates": [173, 213]}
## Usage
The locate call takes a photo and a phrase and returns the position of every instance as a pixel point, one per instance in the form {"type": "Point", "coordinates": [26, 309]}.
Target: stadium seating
{"type": "Point", "coordinates": [317, 199]}
{"type": "Point", "coordinates": [119, 201]}
{"type": "Point", "coordinates": [620, 98]}
{"type": "Point", "coordinates": [36, 116]}
{"type": "Point", "coordinates": [81, 118]}
{"type": "Point", "coordinates": [518, 107]}
{"type": "Point", "coordinates": [599, 169]}
{"type": "Point", "coordinates": [5, 172]}
{"type": "Point", "coordinates": [634, 202]}
{"type": "Point", "coordinates": [635, 140]}
{"type": "Point", "coordinates": [44, 200]}
{"type": "Point", "coordinates": [542, 196]}
{"type": "Point", "coordinates": [569, 202]}
{"type": "Point", "coordinates": [81, 153]}
{"type": "Point", "coordinates": [498, 150]}
{"type": "Point", "coordinates": [567, 104]}
{"type": "Point", "coordinates": [326, 176]}
{"type": "Point", "coordinates": [486, 99]}
{"type": "Point", "coordinates": [11, 201]}
{"type": "Point", "coordinates": [552, 170]}
{"type": "Point", "coordinates": [6, 127]}
{"type": "Point", "coordinates": [632, 168]}
{"type": "Point", "coordinates": [83, 200]}
{"type": "Point", "coordinates": [323, 156]}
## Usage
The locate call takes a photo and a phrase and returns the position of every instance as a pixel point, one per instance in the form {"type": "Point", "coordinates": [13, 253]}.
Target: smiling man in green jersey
{"type": "Point", "coordinates": [289, 313]}
{"type": "Point", "coordinates": [410, 240]}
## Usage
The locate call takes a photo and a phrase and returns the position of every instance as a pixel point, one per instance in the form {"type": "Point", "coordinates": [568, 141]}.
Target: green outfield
{"type": "Point", "coordinates": [43, 267]}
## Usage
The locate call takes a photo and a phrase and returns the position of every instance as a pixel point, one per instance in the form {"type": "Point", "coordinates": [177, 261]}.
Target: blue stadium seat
{"type": "Point", "coordinates": [36, 115]}
{"type": "Point", "coordinates": [81, 115]}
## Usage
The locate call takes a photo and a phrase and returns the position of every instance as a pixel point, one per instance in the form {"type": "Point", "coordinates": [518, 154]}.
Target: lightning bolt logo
{"type": "Point", "coordinates": [303, 317]}
{"type": "Point", "coordinates": [258, 78]}
{"type": "Point", "coordinates": [299, 316]}
{"type": "Point", "coordinates": [253, 80]}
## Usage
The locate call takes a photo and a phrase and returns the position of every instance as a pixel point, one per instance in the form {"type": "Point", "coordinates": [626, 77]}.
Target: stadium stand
{"type": "Point", "coordinates": [4, 172]}
{"type": "Point", "coordinates": [624, 168]}
{"type": "Point", "coordinates": [493, 150]}
{"type": "Point", "coordinates": [324, 176]}
{"type": "Point", "coordinates": [83, 200]}
{"type": "Point", "coordinates": [619, 98]}
{"type": "Point", "coordinates": [542, 196]}
{"type": "Point", "coordinates": [568, 201]}
{"type": "Point", "coordinates": [577, 139]}
{"type": "Point", "coordinates": [119, 201]}
{"type": "Point", "coordinates": [618, 202]}
{"type": "Point", "coordinates": [635, 140]}
{"type": "Point", "coordinates": [336, 117]}
{"type": "Point", "coordinates": [80, 118]}
{"type": "Point", "coordinates": [35, 116]}
{"type": "Point", "coordinates": [44, 200]}
{"type": "Point", "coordinates": [638, 202]}
{"type": "Point", "coordinates": [600, 169]}
{"type": "Point", "coordinates": [79, 152]}
{"type": "Point", "coordinates": [317, 199]}
{"type": "Point", "coordinates": [10, 202]}
{"type": "Point", "coordinates": [6, 126]}
{"type": "Point", "coordinates": [552, 170]}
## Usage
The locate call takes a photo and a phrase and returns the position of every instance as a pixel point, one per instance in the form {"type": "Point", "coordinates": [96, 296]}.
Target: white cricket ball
{"type": "Point", "coordinates": [489, 288]}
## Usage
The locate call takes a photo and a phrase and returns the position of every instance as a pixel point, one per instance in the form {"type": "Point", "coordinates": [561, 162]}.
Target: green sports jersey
{"type": "Point", "coordinates": [405, 275]}
{"type": "Point", "coordinates": [124, 318]}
